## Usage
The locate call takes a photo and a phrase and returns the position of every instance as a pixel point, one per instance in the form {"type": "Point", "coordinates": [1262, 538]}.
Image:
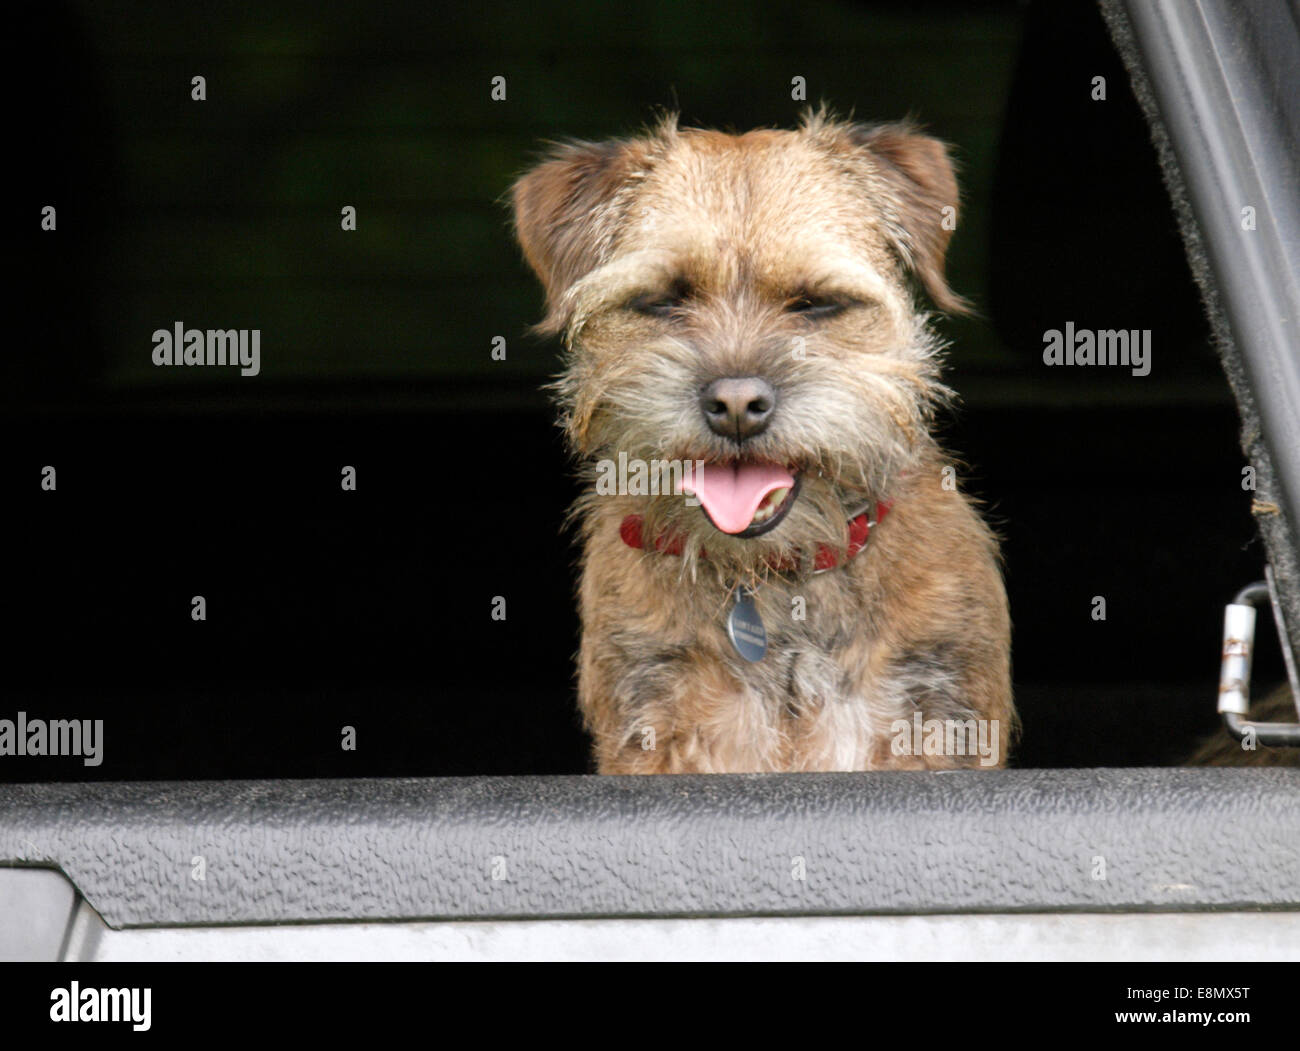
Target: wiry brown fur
{"type": "Point", "coordinates": [918, 620]}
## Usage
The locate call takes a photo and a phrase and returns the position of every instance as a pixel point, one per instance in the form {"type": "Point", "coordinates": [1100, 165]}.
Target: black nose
{"type": "Point", "coordinates": [738, 408]}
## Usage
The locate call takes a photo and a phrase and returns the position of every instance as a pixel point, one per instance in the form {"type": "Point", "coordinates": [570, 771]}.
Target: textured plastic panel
{"type": "Point", "coordinates": [666, 846]}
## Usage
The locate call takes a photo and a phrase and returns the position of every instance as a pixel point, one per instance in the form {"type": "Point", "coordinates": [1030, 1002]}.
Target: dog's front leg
{"type": "Point", "coordinates": [656, 708]}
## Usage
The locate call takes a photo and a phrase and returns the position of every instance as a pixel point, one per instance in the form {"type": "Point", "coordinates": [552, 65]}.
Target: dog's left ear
{"type": "Point", "coordinates": [920, 186]}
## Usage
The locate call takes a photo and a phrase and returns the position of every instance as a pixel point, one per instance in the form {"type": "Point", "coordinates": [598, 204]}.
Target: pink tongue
{"type": "Point", "coordinates": [731, 493]}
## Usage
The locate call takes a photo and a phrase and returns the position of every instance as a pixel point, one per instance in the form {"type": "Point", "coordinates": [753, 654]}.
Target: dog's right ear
{"type": "Point", "coordinates": [567, 210]}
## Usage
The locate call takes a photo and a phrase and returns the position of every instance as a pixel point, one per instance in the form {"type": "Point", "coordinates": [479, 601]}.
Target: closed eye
{"type": "Point", "coordinates": [662, 304]}
{"type": "Point", "coordinates": [815, 307]}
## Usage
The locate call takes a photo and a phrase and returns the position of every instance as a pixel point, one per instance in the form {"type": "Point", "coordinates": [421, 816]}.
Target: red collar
{"type": "Point", "coordinates": [827, 557]}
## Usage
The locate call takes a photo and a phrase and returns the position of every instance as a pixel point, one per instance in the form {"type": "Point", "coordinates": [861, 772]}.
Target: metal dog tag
{"type": "Point", "coordinates": [745, 627]}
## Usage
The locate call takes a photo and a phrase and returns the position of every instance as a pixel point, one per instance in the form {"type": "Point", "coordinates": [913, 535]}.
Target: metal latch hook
{"type": "Point", "coordinates": [1234, 670]}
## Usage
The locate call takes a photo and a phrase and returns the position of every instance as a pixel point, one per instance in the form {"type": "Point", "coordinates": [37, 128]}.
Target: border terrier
{"type": "Point", "coordinates": [778, 570]}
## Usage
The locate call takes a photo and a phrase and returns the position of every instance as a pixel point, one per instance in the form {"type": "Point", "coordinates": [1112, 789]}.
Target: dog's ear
{"type": "Point", "coordinates": [920, 187]}
{"type": "Point", "coordinates": [567, 212]}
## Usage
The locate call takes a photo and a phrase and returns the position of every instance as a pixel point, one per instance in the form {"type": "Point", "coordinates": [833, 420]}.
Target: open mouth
{"type": "Point", "coordinates": [744, 499]}
{"type": "Point", "coordinates": [775, 506]}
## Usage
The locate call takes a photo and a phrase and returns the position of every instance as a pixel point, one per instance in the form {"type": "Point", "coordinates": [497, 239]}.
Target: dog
{"type": "Point", "coordinates": [805, 588]}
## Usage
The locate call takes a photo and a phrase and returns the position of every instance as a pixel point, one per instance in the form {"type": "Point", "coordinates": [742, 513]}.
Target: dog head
{"type": "Point", "coordinates": [748, 302]}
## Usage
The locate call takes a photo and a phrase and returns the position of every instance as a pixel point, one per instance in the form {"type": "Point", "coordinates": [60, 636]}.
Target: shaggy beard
{"type": "Point", "coordinates": [847, 459]}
